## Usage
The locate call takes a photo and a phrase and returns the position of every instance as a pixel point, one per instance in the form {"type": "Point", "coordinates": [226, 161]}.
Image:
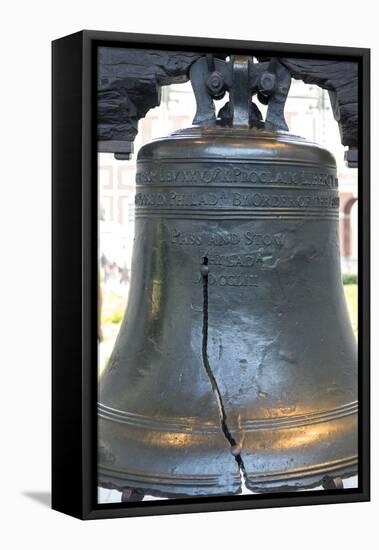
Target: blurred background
{"type": "Point", "coordinates": [308, 114]}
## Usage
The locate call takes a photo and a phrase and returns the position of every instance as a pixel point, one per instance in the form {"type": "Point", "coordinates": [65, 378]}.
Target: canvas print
{"type": "Point", "coordinates": [227, 274]}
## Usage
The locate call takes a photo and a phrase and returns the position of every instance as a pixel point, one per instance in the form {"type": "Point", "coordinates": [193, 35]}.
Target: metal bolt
{"type": "Point", "coordinates": [215, 84]}
{"type": "Point", "coordinates": [267, 82]}
{"type": "Point", "coordinates": [204, 270]}
{"type": "Point", "coordinates": [235, 450]}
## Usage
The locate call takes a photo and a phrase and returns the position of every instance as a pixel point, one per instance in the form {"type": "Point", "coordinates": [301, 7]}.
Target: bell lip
{"type": "Point", "coordinates": [156, 474]}
{"type": "Point", "coordinates": [302, 480]}
{"type": "Point", "coordinates": [214, 143]}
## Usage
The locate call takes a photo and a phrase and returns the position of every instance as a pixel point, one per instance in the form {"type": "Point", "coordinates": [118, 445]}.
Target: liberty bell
{"type": "Point", "coordinates": [236, 363]}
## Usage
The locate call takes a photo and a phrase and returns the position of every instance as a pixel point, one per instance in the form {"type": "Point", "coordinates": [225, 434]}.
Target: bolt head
{"type": "Point", "coordinates": [267, 82]}
{"type": "Point", "coordinates": [215, 83]}
{"type": "Point", "coordinates": [204, 270]}
{"type": "Point", "coordinates": [235, 450]}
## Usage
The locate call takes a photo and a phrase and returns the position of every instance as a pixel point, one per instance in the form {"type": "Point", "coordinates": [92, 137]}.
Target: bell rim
{"type": "Point", "coordinates": [211, 485]}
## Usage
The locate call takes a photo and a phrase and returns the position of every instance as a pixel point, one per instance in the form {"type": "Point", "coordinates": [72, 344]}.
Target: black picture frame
{"type": "Point", "coordinates": [74, 271]}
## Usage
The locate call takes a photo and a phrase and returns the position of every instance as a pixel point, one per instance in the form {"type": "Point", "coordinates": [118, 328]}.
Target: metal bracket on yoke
{"type": "Point", "coordinates": [212, 77]}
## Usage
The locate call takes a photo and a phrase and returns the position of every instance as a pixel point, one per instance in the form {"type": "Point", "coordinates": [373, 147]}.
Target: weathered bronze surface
{"type": "Point", "coordinates": [259, 209]}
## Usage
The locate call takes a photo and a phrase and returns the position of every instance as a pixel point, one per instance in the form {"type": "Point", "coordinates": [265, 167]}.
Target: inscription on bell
{"type": "Point", "coordinates": [233, 174]}
{"type": "Point", "coordinates": [175, 199]}
{"type": "Point", "coordinates": [233, 280]}
{"type": "Point", "coordinates": [235, 260]}
{"type": "Point", "coordinates": [295, 201]}
{"type": "Point", "coordinates": [249, 238]}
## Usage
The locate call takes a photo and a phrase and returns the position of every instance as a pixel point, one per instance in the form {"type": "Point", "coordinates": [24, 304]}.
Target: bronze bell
{"type": "Point", "coordinates": [236, 361]}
